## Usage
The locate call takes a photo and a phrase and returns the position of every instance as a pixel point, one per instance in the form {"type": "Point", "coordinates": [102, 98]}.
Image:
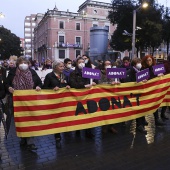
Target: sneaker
{"type": "Point", "coordinates": [31, 147]}
{"type": "Point", "coordinates": [141, 129]}
{"type": "Point", "coordinates": [159, 123]}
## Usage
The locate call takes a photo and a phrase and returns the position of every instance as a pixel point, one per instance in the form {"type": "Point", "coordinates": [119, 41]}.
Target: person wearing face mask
{"type": "Point", "coordinates": [23, 78]}
{"type": "Point", "coordinates": [104, 80]}
{"type": "Point", "coordinates": [88, 62]}
{"type": "Point", "coordinates": [131, 77]}
{"type": "Point", "coordinates": [56, 80]}
{"type": "Point", "coordinates": [148, 62]}
{"type": "Point", "coordinates": [67, 68]}
{"type": "Point", "coordinates": [77, 81]}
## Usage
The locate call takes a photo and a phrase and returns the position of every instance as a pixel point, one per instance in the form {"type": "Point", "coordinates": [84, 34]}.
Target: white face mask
{"type": "Point", "coordinates": [23, 67]}
{"type": "Point", "coordinates": [108, 67]}
{"type": "Point", "coordinates": [69, 66]}
{"type": "Point", "coordinates": [139, 66]}
{"type": "Point", "coordinates": [86, 61]}
{"type": "Point", "coordinates": [81, 65]}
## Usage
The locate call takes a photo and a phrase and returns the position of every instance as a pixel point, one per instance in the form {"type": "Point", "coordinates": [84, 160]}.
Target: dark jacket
{"type": "Point", "coordinates": [130, 75]}
{"type": "Point", "coordinates": [2, 82]}
{"type": "Point", "coordinates": [67, 72]}
{"type": "Point", "coordinates": [76, 80]}
{"type": "Point", "coordinates": [51, 81]}
{"type": "Point", "coordinates": [151, 72]}
{"type": "Point", "coordinates": [2, 88]}
{"type": "Point", "coordinates": [36, 79]}
{"type": "Point", "coordinates": [167, 67]}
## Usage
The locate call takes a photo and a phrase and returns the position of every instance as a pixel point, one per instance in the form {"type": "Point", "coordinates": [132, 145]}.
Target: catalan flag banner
{"type": "Point", "coordinates": [49, 112]}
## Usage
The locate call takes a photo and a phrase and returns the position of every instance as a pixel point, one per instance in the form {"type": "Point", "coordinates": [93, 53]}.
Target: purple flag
{"type": "Point", "coordinates": [91, 73]}
{"type": "Point", "coordinates": [158, 69]}
{"type": "Point", "coordinates": [116, 73]}
{"type": "Point", "coordinates": [142, 75]}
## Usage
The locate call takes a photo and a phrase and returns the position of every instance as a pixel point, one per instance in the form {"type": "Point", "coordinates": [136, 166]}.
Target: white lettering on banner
{"type": "Point", "coordinates": [91, 73]}
{"type": "Point", "coordinates": [117, 73]}
{"type": "Point", "coordinates": [143, 75]}
{"type": "Point", "coordinates": [159, 69]}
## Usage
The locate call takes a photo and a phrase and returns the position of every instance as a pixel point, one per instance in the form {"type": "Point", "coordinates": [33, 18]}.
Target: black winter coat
{"type": "Point", "coordinates": [76, 80]}
{"type": "Point", "coordinates": [51, 81]}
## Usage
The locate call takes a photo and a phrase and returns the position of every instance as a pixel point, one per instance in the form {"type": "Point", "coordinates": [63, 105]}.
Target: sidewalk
{"type": "Point", "coordinates": [128, 150]}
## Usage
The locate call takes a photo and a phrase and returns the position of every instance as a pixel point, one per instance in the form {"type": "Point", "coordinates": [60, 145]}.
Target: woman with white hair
{"type": "Point", "coordinates": [56, 80]}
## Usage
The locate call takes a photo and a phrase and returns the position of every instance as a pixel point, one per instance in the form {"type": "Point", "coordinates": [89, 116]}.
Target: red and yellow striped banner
{"type": "Point", "coordinates": [49, 112]}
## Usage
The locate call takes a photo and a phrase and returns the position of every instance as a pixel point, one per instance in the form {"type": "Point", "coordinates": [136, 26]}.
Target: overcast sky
{"type": "Point", "coordinates": [16, 10]}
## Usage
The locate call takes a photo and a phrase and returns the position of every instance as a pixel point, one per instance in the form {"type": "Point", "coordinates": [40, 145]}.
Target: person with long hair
{"type": "Point", "coordinates": [148, 62]}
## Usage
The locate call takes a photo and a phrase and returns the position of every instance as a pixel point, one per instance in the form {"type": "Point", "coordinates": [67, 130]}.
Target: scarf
{"type": "Point", "coordinates": [23, 80]}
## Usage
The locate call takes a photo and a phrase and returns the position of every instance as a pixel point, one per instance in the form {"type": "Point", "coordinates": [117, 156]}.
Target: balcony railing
{"type": "Point", "coordinates": [67, 45]}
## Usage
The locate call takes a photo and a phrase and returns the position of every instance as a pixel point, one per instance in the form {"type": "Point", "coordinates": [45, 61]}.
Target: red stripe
{"type": "Point", "coordinates": [90, 91]}
{"type": "Point", "coordinates": [72, 113]}
{"type": "Point", "coordinates": [74, 103]}
{"type": "Point", "coordinates": [79, 122]}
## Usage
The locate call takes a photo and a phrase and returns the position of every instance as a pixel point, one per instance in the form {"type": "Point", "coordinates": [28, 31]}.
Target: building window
{"type": "Point", "coordinates": [77, 26]}
{"type": "Point", "coordinates": [78, 52]}
{"type": "Point", "coordinates": [78, 40]}
{"type": "Point", "coordinates": [61, 40]}
{"type": "Point", "coordinates": [27, 24]}
{"type": "Point", "coordinates": [61, 25]}
{"type": "Point", "coordinates": [61, 54]}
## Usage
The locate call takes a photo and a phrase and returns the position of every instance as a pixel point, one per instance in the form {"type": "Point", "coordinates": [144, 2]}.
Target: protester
{"type": "Point", "coordinates": [56, 80]}
{"type": "Point", "coordinates": [24, 78]}
{"type": "Point", "coordinates": [47, 64]}
{"type": "Point", "coordinates": [148, 62]}
{"type": "Point", "coordinates": [87, 61]}
{"type": "Point", "coordinates": [78, 82]}
{"type": "Point", "coordinates": [131, 77]}
{"type": "Point", "coordinates": [68, 68]}
{"type": "Point", "coordinates": [104, 80]}
{"type": "Point", "coordinates": [167, 71]}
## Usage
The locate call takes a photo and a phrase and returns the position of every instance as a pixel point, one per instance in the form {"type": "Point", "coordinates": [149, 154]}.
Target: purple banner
{"type": "Point", "coordinates": [142, 75]}
{"type": "Point", "coordinates": [91, 73]}
{"type": "Point", "coordinates": [116, 73]}
{"type": "Point", "coordinates": [158, 69]}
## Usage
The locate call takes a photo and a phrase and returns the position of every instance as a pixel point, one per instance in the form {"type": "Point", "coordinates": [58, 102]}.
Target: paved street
{"type": "Point", "coordinates": [126, 150]}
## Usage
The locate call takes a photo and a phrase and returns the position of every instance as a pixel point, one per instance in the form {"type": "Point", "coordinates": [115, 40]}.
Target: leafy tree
{"type": "Point", "coordinates": [9, 44]}
{"type": "Point", "coordinates": [166, 30]}
{"type": "Point", "coordinates": [150, 20]}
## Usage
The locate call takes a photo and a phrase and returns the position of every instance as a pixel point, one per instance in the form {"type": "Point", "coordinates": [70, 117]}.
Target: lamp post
{"type": "Point", "coordinates": [2, 15]}
{"type": "Point", "coordinates": [144, 5]}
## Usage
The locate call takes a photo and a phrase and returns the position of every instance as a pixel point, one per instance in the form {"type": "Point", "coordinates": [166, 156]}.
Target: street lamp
{"type": "Point", "coordinates": [144, 5]}
{"type": "Point", "coordinates": [2, 15]}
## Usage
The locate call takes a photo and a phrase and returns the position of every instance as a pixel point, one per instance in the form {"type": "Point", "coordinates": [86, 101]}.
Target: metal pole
{"type": "Point", "coordinates": [134, 33]}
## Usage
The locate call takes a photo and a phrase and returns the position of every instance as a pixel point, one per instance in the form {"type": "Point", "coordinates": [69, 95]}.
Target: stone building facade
{"type": "Point", "coordinates": [64, 34]}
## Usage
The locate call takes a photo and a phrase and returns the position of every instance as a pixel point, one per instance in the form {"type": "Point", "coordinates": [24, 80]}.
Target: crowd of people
{"type": "Point", "coordinates": [68, 74]}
